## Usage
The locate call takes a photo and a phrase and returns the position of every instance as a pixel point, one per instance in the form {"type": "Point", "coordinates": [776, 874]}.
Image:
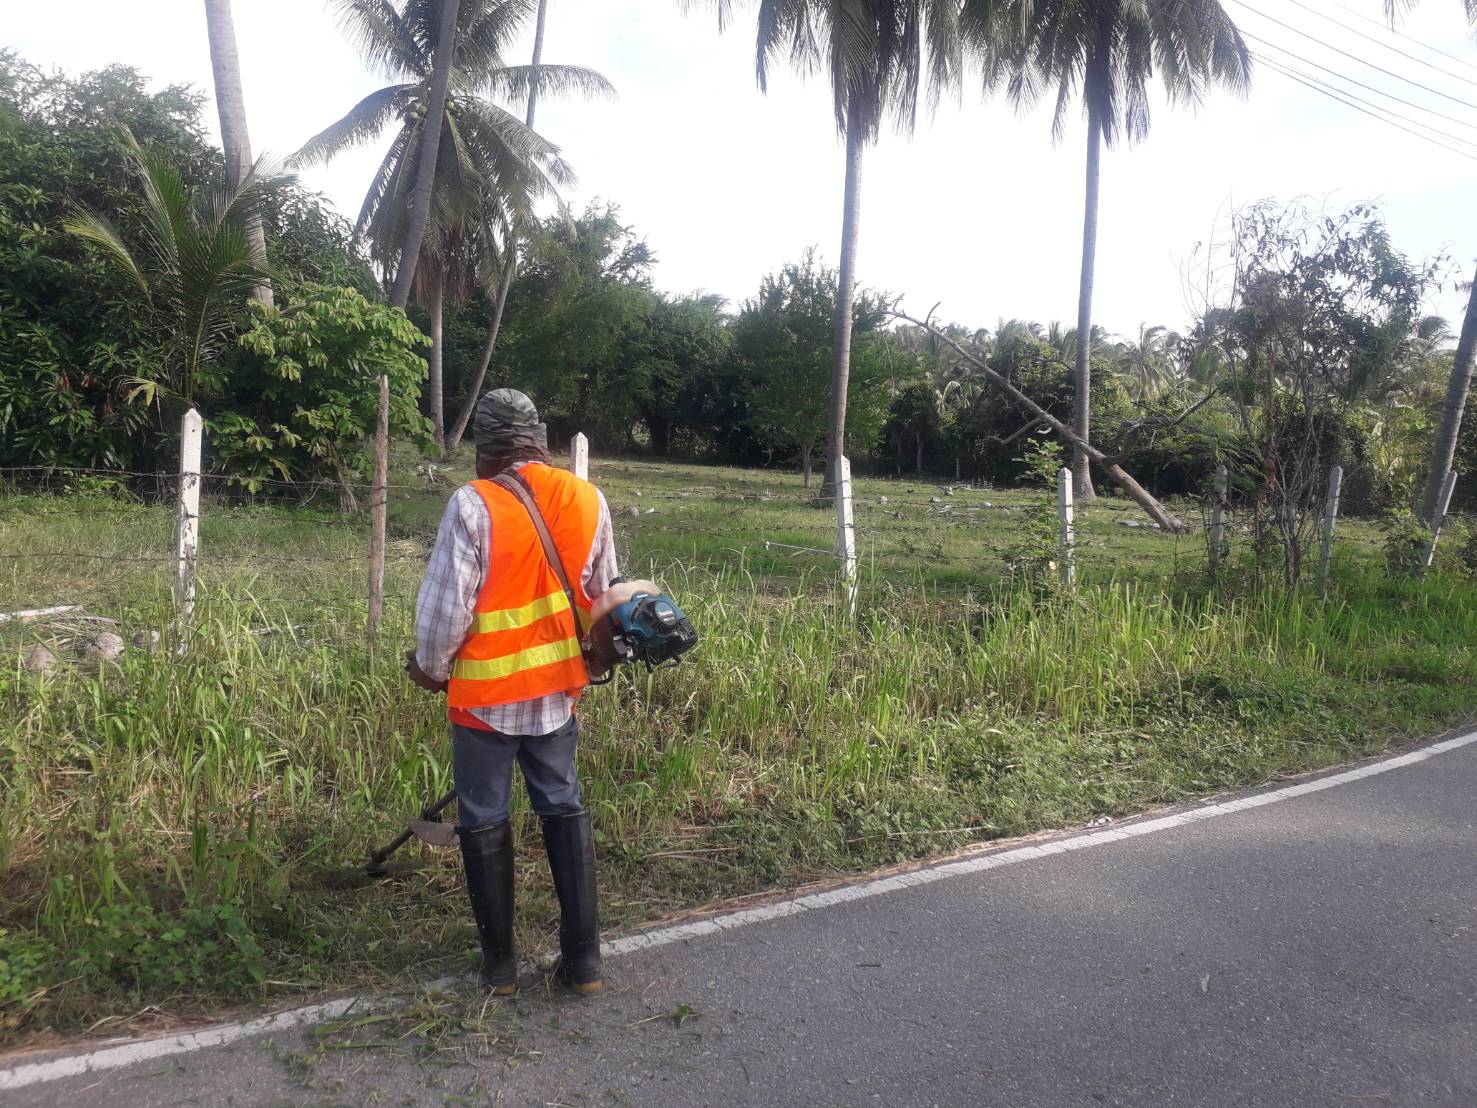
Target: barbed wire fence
{"type": "Point", "coordinates": [303, 593]}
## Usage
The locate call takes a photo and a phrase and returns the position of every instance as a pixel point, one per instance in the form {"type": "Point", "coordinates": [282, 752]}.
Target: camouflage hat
{"type": "Point", "coordinates": [506, 418]}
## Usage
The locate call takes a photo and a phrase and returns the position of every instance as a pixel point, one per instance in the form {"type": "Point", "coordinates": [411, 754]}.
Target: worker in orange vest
{"type": "Point", "coordinates": [499, 633]}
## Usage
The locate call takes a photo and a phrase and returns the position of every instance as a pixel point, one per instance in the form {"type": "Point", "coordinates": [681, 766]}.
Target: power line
{"type": "Point", "coordinates": [1368, 88]}
{"type": "Point", "coordinates": [1381, 42]}
{"type": "Point", "coordinates": [1356, 57]}
{"type": "Point", "coordinates": [1343, 98]}
{"type": "Point", "coordinates": [1401, 34]}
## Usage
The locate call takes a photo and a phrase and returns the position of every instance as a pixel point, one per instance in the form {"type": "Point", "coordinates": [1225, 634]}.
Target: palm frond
{"type": "Point", "coordinates": [364, 121]}
{"type": "Point", "coordinates": [513, 82]}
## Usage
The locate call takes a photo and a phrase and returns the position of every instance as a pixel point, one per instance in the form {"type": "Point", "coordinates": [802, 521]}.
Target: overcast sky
{"type": "Point", "coordinates": [979, 209]}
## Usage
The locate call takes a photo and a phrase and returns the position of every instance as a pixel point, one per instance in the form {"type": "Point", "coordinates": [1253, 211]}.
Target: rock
{"type": "Point", "coordinates": [986, 504]}
{"type": "Point", "coordinates": [649, 512]}
{"type": "Point", "coordinates": [949, 491]}
{"type": "Point", "coordinates": [882, 500]}
{"type": "Point", "coordinates": [147, 640]}
{"type": "Point", "coordinates": [39, 661]}
{"type": "Point", "coordinates": [636, 493]}
{"type": "Point", "coordinates": [935, 500]}
{"type": "Point", "coordinates": [104, 647]}
{"type": "Point", "coordinates": [633, 511]}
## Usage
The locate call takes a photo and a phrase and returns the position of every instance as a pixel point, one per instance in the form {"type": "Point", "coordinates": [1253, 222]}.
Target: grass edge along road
{"type": "Point", "coordinates": [170, 828]}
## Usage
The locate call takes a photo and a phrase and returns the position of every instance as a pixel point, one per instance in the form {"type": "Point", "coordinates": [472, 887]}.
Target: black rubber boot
{"type": "Point", "coordinates": [570, 841]}
{"type": "Point", "coordinates": [487, 854]}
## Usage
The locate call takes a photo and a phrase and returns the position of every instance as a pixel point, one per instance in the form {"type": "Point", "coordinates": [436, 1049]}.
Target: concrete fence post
{"type": "Point", "coordinates": [187, 524]}
{"type": "Point", "coordinates": [1443, 505]}
{"type": "Point", "coordinates": [1066, 534]}
{"type": "Point", "coordinates": [846, 533]}
{"type": "Point", "coordinates": [579, 456]}
{"type": "Point", "coordinates": [1330, 521]}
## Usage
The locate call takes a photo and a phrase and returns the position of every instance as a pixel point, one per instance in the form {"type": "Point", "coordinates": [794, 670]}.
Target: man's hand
{"type": "Point", "coordinates": [415, 673]}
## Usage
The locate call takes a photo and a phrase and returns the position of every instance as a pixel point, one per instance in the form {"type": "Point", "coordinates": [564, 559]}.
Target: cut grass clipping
{"type": "Point", "coordinates": [170, 828]}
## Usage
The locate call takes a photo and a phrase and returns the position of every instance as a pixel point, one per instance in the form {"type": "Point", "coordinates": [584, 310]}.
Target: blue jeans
{"type": "Point", "coordinates": [482, 767]}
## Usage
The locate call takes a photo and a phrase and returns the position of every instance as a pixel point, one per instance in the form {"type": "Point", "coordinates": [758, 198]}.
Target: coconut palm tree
{"type": "Point", "coordinates": [1106, 52]}
{"type": "Point", "coordinates": [425, 157]}
{"type": "Point", "coordinates": [1147, 360]}
{"type": "Point", "coordinates": [194, 263]}
{"type": "Point", "coordinates": [490, 166]}
{"type": "Point", "coordinates": [1443, 447]}
{"type": "Point", "coordinates": [875, 53]}
{"type": "Point", "coordinates": [235, 138]}
{"type": "Point", "coordinates": [510, 263]}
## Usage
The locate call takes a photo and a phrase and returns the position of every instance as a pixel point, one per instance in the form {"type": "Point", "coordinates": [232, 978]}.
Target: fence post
{"type": "Point", "coordinates": [579, 456]}
{"type": "Point", "coordinates": [187, 524]}
{"type": "Point", "coordinates": [846, 532]}
{"type": "Point", "coordinates": [379, 497]}
{"type": "Point", "coordinates": [1218, 519]}
{"type": "Point", "coordinates": [1330, 520]}
{"type": "Point", "coordinates": [1442, 507]}
{"type": "Point", "coordinates": [1066, 536]}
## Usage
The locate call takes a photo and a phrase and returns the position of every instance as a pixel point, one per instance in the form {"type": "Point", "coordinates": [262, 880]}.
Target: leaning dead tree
{"type": "Point", "coordinates": [1109, 465]}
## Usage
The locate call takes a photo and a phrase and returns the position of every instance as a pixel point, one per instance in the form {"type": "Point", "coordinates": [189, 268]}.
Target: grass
{"type": "Point", "coordinates": [172, 831]}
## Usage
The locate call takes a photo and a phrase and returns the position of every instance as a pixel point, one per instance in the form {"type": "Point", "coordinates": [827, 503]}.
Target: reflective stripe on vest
{"type": "Point", "coordinates": [524, 640]}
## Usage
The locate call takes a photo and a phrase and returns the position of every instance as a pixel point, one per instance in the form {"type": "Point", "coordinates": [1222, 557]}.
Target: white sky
{"type": "Point", "coordinates": [978, 210]}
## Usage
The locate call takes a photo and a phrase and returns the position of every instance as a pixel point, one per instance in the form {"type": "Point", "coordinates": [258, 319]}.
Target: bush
{"type": "Point", "coordinates": [306, 391]}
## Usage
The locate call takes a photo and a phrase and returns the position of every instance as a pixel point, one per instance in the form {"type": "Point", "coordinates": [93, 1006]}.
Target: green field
{"type": "Point", "coordinates": [173, 830]}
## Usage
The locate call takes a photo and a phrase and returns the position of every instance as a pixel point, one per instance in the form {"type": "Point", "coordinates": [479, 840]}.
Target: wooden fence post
{"type": "Point", "coordinates": [1218, 519]}
{"type": "Point", "coordinates": [379, 498]}
{"type": "Point", "coordinates": [1443, 505]}
{"type": "Point", "coordinates": [1330, 520]}
{"type": "Point", "coordinates": [846, 533]}
{"type": "Point", "coordinates": [1066, 535]}
{"type": "Point", "coordinates": [187, 524]}
{"type": "Point", "coordinates": [579, 456]}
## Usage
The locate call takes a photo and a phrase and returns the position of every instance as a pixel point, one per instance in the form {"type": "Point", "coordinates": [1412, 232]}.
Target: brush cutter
{"type": "Point", "coordinates": [429, 829]}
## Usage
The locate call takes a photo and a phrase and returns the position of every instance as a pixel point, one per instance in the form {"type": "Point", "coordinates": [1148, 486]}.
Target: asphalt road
{"type": "Point", "coordinates": [1317, 951]}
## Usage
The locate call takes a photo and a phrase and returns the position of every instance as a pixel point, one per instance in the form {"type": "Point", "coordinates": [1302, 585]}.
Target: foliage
{"type": "Point", "coordinates": [308, 391]}
{"type": "Point", "coordinates": [490, 168]}
{"type": "Point", "coordinates": [192, 263]}
{"type": "Point", "coordinates": [74, 343]}
{"type": "Point", "coordinates": [784, 336]}
{"type": "Point", "coordinates": [1324, 318]}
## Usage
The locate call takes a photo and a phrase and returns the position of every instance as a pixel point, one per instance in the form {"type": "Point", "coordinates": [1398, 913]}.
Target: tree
{"type": "Point", "coordinates": [874, 52]}
{"type": "Point", "coordinates": [235, 138]}
{"type": "Point", "coordinates": [1443, 446]}
{"type": "Point", "coordinates": [194, 265]}
{"type": "Point", "coordinates": [426, 153]}
{"type": "Point", "coordinates": [510, 263]}
{"type": "Point", "coordinates": [1325, 319]}
{"type": "Point", "coordinates": [784, 337]}
{"type": "Point", "coordinates": [305, 393]}
{"type": "Point", "coordinates": [490, 166]}
{"type": "Point", "coordinates": [1105, 51]}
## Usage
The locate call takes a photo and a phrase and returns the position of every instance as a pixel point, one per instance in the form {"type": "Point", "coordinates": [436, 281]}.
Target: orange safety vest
{"type": "Point", "coordinates": [524, 641]}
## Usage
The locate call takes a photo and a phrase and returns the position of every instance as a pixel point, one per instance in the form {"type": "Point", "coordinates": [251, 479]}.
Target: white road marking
{"type": "Point", "coordinates": [141, 1050]}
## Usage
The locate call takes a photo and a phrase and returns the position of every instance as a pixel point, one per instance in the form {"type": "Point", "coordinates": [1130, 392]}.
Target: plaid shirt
{"type": "Point", "coordinates": [448, 601]}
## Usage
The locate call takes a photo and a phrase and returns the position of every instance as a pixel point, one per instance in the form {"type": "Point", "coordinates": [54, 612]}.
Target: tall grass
{"type": "Point", "coordinates": [170, 829]}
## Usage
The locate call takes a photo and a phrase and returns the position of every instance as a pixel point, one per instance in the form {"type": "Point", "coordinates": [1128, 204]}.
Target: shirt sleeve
{"type": "Point", "coordinates": [448, 597]}
{"type": "Point", "coordinates": [601, 569]}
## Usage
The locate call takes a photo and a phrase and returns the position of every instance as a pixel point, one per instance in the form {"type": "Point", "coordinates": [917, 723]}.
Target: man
{"type": "Point", "coordinates": [494, 630]}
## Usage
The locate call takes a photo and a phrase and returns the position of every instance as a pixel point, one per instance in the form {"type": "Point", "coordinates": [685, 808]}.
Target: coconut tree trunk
{"type": "Point", "coordinates": [495, 324]}
{"type": "Point", "coordinates": [437, 382]}
{"type": "Point", "coordinates": [1443, 450]}
{"type": "Point", "coordinates": [845, 298]}
{"type": "Point", "coordinates": [235, 139]}
{"type": "Point", "coordinates": [1082, 377]}
{"type": "Point", "coordinates": [425, 169]}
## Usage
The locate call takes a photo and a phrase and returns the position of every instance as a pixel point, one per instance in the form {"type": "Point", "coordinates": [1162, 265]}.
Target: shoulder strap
{"type": "Point", "coordinates": [513, 484]}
